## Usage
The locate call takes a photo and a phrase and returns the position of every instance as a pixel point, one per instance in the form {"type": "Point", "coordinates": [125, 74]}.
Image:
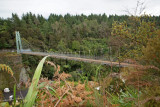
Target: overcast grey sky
{"type": "Point", "coordinates": [45, 7]}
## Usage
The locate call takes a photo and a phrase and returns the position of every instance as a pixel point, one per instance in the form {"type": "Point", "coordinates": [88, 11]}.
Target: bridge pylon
{"type": "Point", "coordinates": [18, 42]}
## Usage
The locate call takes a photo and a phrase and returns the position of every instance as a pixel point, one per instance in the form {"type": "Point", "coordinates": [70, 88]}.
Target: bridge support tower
{"type": "Point", "coordinates": [18, 42]}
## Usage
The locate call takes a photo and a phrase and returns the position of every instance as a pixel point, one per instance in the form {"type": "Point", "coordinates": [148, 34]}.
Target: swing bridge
{"type": "Point", "coordinates": [69, 56]}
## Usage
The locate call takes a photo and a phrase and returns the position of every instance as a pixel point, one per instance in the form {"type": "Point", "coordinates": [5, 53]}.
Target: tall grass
{"type": "Point", "coordinates": [97, 72]}
{"type": "Point", "coordinates": [128, 98]}
{"type": "Point", "coordinates": [14, 96]}
{"type": "Point", "coordinates": [32, 92]}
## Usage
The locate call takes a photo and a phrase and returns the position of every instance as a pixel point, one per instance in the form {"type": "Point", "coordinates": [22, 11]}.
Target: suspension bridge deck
{"type": "Point", "coordinates": [89, 60]}
{"type": "Point", "coordinates": [69, 57]}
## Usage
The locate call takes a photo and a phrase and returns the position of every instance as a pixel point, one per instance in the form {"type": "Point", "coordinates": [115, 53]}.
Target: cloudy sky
{"type": "Point", "coordinates": [45, 7]}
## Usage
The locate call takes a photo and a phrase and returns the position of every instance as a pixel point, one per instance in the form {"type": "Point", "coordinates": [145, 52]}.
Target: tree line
{"type": "Point", "coordinates": [58, 32]}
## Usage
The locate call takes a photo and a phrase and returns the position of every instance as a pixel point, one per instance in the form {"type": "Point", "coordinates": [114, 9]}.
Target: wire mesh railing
{"type": "Point", "coordinates": [89, 54]}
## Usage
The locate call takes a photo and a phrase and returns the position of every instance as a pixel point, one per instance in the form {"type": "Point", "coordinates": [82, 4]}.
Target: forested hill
{"type": "Point", "coordinates": [59, 32]}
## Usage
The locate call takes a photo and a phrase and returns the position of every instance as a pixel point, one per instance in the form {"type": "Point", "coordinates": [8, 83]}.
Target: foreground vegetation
{"type": "Point", "coordinates": [110, 90]}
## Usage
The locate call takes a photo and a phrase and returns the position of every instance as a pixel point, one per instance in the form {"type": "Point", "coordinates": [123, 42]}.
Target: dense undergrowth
{"type": "Point", "coordinates": [128, 88]}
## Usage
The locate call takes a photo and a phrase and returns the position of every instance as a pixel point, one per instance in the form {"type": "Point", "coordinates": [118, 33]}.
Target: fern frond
{"type": "Point", "coordinates": [4, 67]}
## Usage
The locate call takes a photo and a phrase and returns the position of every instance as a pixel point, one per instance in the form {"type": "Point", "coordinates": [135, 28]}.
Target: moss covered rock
{"type": "Point", "coordinates": [15, 62]}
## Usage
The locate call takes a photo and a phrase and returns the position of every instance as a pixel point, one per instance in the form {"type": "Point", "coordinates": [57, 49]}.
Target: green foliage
{"type": "Point", "coordinates": [94, 46]}
{"type": "Point", "coordinates": [32, 92]}
{"type": "Point", "coordinates": [132, 37]}
{"type": "Point", "coordinates": [75, 76]}
{"type": "Point", "coordinates": [98, 98]}
{"type": "Point", "coordinates": [97, 72]}
{"type": "Point", "coordinates": [61, 46]}
{"type": "Point", "coordinates": [4, 104]}
{"type": "Point", "coordinates": [152, 51]}
{"type": "Point", "coordinates": [46, 33]}
{"type": "Point", "coordinates": [129, 98]}
{"type": "Point", "coordinates": [14, 95]}
{"type": "Point", "coordinates": [151, 96]}
{"type": "Point", "coordinates": [75, 45]}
